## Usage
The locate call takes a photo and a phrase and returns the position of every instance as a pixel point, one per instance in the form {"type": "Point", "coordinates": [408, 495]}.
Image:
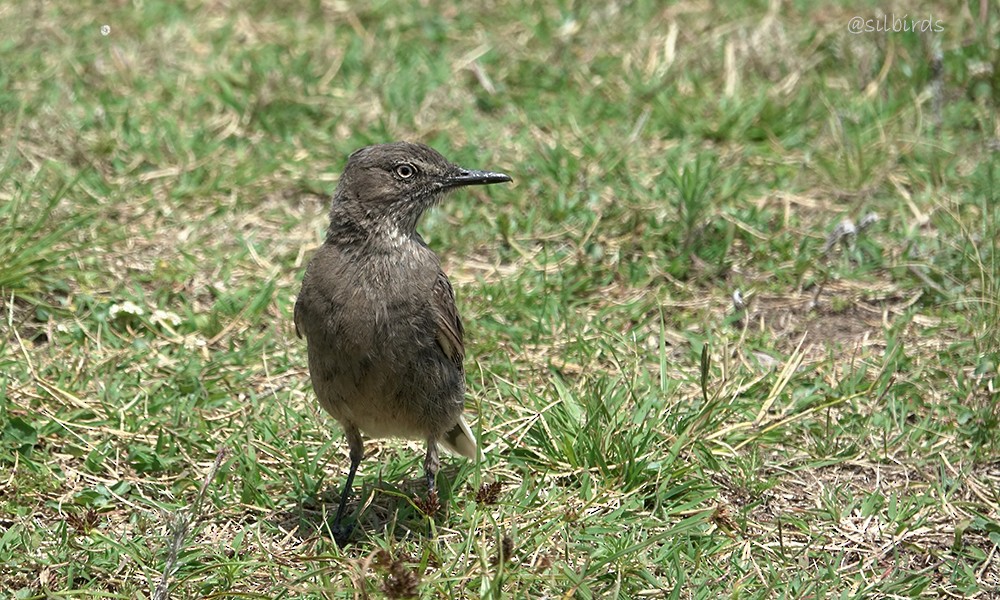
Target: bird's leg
{"type": "Point", "coordinates": [340, 533]}
{"type": "Point", "coordinates": [431, 464]}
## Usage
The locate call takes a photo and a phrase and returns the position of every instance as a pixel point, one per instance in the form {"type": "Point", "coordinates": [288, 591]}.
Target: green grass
{"type": "Point", "coordinates": [162, 187]}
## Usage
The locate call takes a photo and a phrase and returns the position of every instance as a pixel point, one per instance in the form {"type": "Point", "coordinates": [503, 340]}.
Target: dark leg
{"type": "Point", "coordinates": [431, 464]}
{"type": "Point", "coordinates": [340, 533]}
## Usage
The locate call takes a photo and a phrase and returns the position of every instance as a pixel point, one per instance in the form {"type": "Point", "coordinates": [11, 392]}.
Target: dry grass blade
{"type": "Point", "coordinates": [179, 525]}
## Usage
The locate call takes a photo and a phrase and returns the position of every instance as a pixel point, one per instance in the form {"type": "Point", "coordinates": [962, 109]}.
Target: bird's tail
{"type": "Point", "coordinates": [461, 441]}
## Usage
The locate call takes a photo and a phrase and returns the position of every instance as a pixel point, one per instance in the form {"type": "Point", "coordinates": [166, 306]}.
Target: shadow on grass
{"type": "Point", "coordinates": [385, 509]}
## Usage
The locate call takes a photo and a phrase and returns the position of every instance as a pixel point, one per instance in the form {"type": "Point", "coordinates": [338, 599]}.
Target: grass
{"type": "Point", "coordinates": [832, 435]}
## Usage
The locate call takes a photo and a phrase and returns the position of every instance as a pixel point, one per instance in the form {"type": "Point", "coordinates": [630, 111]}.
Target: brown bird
{"type": "Point", "coordinates": [384, 337]}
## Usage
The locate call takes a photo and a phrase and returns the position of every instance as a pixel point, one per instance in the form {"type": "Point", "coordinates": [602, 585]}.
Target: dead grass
{"type": "Point", "coordinates": [836, 441]}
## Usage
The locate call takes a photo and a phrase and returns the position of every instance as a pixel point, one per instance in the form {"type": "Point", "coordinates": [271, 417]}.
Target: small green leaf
{"type": "Point", "coordinates": [20, 434]}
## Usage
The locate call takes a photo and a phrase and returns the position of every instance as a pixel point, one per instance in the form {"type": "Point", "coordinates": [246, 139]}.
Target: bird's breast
{"type": "Point", "coordinates": [375, 299]}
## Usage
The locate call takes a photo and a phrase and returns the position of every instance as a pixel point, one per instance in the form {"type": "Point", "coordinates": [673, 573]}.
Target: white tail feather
{"type": "Point", "coordinates": [461, 441]}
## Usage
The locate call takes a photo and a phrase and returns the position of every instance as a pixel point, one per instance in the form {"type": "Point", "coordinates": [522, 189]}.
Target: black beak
{"type": "Point", "coordinates": [467, 177]}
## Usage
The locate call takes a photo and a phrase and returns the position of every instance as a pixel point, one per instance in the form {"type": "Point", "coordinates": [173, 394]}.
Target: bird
{"type": "Point", "coordinates": [384, 338]}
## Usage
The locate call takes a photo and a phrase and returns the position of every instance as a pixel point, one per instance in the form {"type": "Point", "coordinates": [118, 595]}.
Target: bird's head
{"type": "Point", "coordinates": [386, 188]}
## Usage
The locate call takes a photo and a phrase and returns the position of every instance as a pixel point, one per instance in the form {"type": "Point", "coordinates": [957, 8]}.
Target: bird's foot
{"type": "Point", "coordinates": [341, 534]}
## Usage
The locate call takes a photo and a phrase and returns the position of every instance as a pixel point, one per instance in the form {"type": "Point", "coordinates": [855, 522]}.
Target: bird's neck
{"type": "Point", "coordinates": [380, 235]}
{"type": "Point", "coordinates": [392, 236]}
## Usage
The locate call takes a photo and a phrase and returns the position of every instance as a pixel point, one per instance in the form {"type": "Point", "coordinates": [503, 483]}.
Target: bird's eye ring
{"type": "Point", "coordinates": [405, 171]}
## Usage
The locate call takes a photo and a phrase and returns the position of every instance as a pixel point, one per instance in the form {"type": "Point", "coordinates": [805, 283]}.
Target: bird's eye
{"type": "Point", "coordinates": [405, 171]}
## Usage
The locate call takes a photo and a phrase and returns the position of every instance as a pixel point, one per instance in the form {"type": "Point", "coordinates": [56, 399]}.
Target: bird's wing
{"type": "Point", "coordinates": [297, 316]}
{"type": "Point", "coordinates": [450, 331]}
